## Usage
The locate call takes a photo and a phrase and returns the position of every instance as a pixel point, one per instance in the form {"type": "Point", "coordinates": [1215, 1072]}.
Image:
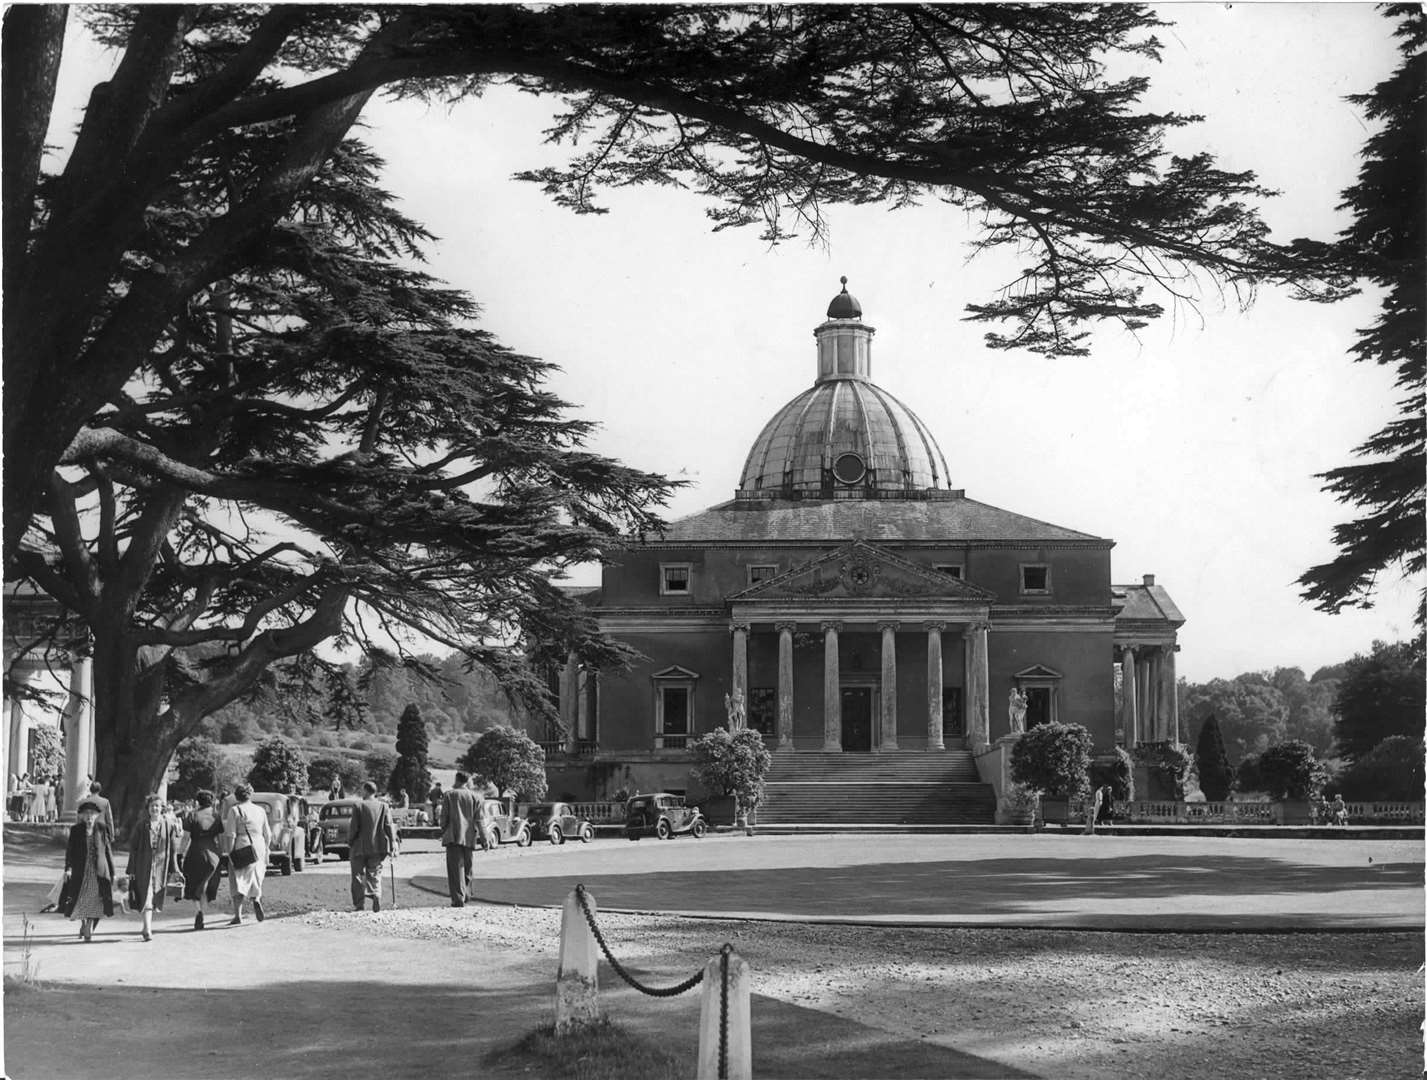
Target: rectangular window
{"type": "Point", "coordinates": [950, 569]}
{"type": "Point", "coordinates": [674, 579]}
{"type": "Point", "coordinates": [761, 573]}
{"type": "Point", "coordinates": [676, 710]}
{"type": "Point", "coordinates": [1035, 578]}
{"type": "Point", "coordinates": [763, 709]}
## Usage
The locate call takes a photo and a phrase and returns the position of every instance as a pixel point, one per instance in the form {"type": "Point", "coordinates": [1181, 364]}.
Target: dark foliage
{"type": "Point", "coordinates": [1387, 246]}
{"type": "Point", "coordinates": [1381, 695]}
{"type": "Point", "coordinates": [410, 773]}
{"type": "Point", "coordinates": [1391, 771]}
{"type": "Point", "coordinates": [509, 760]}
{"type": "Point", "coordinates": [278, 765]}
{"type": "Point", "coordinates": [1054, 760]}
{"type": "Point", "coordinates": [1291, 770]}
{"type": "Point", "coordinates": [1117, 771]}
{"type": "Point", "coordinates": [1216, 775]}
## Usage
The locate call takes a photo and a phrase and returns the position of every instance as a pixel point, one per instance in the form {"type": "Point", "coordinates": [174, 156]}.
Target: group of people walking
{"type": "Point", "coordinates": [29, 798]}
{"type": "Point", "coordinates": [158, 847]}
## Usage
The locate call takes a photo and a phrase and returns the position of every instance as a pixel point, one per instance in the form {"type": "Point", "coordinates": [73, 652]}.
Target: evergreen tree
{"type": "Point", "coordinates": [1216, 777]}
{"type": "Point", "coordinates": [278, 765]}
{"type": "Point", "coordinates": [410, 773]}
{"type": "Point", "coordinates": [772, 111]}
{"type": "Point", "coordinates": [1387, 246]}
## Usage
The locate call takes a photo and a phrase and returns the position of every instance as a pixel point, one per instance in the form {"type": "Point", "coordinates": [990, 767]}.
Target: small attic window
{"type": "Point", "coordinates": [674, 579]}
{"type": "Point", "coordinates": [1035, 578]}
{"type": "Point", "coordinates": [761, 572]}
{"type": "Point", "coordinates": [955, 570]}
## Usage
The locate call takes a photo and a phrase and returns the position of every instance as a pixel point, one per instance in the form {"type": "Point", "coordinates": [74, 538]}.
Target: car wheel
{"type": "Point", "coordinates": [287, 866]}
{"type": "Point", "coordinates": [495, 838]}
{"type": "Point", "coordinates": [698, 830]}
{"type": "Point", "coordinates": [663, 830]}
{"type": "Point", "coordinates": [587, 833]}
{"type": "Point", "coordinates": [524, 839]}
{"type": "Point", "coordinates": [300, 864]}
{"type": "Point", "coordinates": [556, 836]}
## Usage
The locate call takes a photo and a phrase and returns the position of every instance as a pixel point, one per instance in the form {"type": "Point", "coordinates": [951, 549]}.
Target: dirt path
{"type": "Point", "coordinates": [426, 990]}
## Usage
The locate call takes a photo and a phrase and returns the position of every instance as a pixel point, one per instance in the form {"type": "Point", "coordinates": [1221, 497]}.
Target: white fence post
{"type": "Point", "coordinates": [577, 982]}
{"type": "Point", "coordinates": [739, 1046]}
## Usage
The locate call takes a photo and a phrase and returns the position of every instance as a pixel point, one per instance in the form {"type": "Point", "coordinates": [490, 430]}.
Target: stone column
{"type": "Point", "coordinates": [569, 694]}
{"type": "Point", "coordinates": [15, 741]}
{"type": "Point", "coordinates": [889, 684]}
{"type": "Point", "coordinates": [740, 660]}
{"type": "Point", "coordinates": [1169, 696]}
{"type": "Point", "coordinates": [979, 687]}
{"type": "Point", "coordinates": [582, 704]}
{"type": "Point", "coordinates": [832, 690]}
{"type": "Point", "coordinates": [935, 740]}
{"type": "Point", "coordinates": [1129, 714]}
{"type": "Point", "coordinates": [78, 730]}
{"type": "Point", "coordinates": [785, 684]}
{"type": "Point", "coordinates": [1154, 719]}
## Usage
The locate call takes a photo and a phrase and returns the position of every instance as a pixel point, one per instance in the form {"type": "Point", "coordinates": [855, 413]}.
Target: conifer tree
{"type": "Point", "coordinates": [412, 746]}
{"type": "Point", "coordinates": [1216, 776]}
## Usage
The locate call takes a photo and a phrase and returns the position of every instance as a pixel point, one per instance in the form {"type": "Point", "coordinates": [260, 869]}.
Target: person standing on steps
{"type": "Point", "coordinates": [247, 836]}
{"type": "Point", "coordinates": [153, 846]}
{"type": "Point", "coordinates": [460, 836]}
{"type": "Point", "coordinates": [372, 839]}
{"type": "Point", "coordinates": [88, 890]}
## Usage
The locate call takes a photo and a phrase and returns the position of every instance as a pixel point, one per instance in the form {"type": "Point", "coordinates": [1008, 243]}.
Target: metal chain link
{"type": "Point", "coordinates": [668, 991]}
{"type": "Point", "coordinates": [723, 1015]}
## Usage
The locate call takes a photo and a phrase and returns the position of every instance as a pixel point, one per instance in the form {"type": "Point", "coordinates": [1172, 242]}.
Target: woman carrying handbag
{"type": "Point", "coordinates": [247, 836]}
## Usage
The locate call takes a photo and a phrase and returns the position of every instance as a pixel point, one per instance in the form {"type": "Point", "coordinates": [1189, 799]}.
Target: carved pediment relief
{"type": "Point", "coordinates": [861, 570]}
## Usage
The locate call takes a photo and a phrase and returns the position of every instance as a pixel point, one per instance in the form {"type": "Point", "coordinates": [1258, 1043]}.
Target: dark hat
{"type": "Point", "coordinates": [88, 804]}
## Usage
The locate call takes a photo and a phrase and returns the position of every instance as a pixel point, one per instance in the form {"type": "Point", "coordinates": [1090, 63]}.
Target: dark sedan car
{"type": "Point", "coordinates": [662, 815]}
{"type": "Point", "coordinates": [557, 822]}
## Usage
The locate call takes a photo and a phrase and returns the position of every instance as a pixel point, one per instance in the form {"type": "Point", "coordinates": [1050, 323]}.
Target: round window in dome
{"type": "Point", "coordinates": [849, 469]}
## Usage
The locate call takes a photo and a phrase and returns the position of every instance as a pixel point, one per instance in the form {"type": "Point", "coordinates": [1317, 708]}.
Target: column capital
{"type": "Point", "coordinates": [736, 626]}
{"type": "Point", "coordinates": [889, 624]}
{"type": "Point", "coordinates": [835, 627]}
{"type": "Point", "coordinates": [788, 627]}
{"type": "Point", "coordinates": [935, 627]}
{"type": "Point", "coordinates": [978, 626]}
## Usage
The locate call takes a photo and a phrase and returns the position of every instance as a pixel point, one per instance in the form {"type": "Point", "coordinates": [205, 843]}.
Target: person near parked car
{"type": "Point", "coordinates": [460, 836]}
{"type": "Point", "coordinates": [88, 890]}
{"type": "Point", "coordinates": [246, 826]}
{"type": "Point", "coordinates": [1094, 805]}
{"type": "Point", "coordinates": [372, 839]}
{"type": "Point", "coordinates": [153, 847]}
{"type": "Point", "coordinates": [434, 797]}
{"type": "Point", "coordinates": [204, 828]}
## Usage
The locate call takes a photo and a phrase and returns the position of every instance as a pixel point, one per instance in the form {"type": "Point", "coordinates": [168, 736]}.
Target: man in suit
{"type": "Point", "coordinates": [460, 836]}
{"type": "Point", "coordinates": [106, 812]}
{"type": "Point", "coordinates": [372, 836]}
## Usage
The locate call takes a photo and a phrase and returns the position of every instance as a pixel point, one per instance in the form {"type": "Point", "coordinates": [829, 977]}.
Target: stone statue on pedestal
{"type": "Point", "coordinates": [737, 711]}
{"type": "Point", "coordinates": [1017, 710]}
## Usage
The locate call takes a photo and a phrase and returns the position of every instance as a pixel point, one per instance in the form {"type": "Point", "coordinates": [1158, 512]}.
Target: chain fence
{"type": "Point", "coordinates": [668, 991]}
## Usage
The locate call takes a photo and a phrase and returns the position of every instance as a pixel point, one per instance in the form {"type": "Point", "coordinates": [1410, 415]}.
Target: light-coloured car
{"type": "Point", "coordinates": [287, 821]}
{"type": "Point", "coordinates": [557, 822]}
{"type": "Point", "coordinates": [504, 825]}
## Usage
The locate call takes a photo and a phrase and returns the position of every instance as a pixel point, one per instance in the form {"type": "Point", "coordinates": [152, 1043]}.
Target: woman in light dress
{"type": "Point", "coordinates": [153, 850]}
{"type": "Point", "coordinates": [246, 825]}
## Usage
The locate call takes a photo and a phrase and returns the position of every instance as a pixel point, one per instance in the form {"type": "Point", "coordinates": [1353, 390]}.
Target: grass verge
{"type": "Point", "coordinates": [601, 1051]}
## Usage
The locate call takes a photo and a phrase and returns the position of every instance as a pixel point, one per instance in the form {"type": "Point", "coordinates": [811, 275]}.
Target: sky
{"type": "Point", "coordinates": [1193, 444]}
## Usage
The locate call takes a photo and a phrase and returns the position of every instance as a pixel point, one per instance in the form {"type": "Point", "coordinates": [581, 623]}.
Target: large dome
{"type": "Point", "coordinates": [845, 437]}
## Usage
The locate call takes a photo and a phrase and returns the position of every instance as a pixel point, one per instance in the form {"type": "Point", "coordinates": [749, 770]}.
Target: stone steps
{"type": "Point", "coordinates": [856, 803]}
{"type": "Point", "coordinates": [942, 766]}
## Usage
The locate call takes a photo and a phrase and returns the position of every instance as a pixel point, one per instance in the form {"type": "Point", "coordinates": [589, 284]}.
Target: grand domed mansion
{"type": "Point", "coordinates": [874, 622]}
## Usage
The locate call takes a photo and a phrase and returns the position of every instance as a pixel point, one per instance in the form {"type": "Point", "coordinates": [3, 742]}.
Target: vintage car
{"type": "Point", "coordinates": [662, 815]}
{"type": "Point", "coordinates": [504, 825]}
{"type": "Point", "coordinates": [287, 821]}
{"type": "Point", "coordinates": [335, 817]}
{"type": "Point", "coordinates": [557, 822]}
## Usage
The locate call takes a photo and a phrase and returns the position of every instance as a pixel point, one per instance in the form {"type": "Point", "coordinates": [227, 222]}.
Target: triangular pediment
{"type": "Point", "coordinates": [1038, 671]}
{"type": "Point", "coordinates": [676, 672]}
{"type": "Point", "coordinates": [860, 569]}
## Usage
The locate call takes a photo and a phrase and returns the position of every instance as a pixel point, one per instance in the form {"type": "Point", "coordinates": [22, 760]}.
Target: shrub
{"type": "Point", "coordinates": [321, 770]}
{"type": "Point", "coordinates": [1291, 770]}
{"type": "Point", "coordinates": [1115, 771]}
{"type": "Point", "coordinates": [46, 754]}
{"type": "Point", "coordinates": [1391, 771]}
{"type": "Point", "coordinates": [379, 764]}
{"type": "Point", "coordinates": [732, 764]}
{"type": "Point", "coordinates": [1247, 776]}
{"type": "Point", "coordinates": [510, 760]}
{"type": "Point", "coordinates": [1169, 767]}
{"type": "Point", "coordinates": [1216, 775]}
{"type": "Point", "coordinates": [198, 763]}
{"type": "Point", "coordinates": [232, 732]}
{"type": "Point", "coordinates": [1054, 760]}
{"type": "Point", "coordinates": [278, 765]}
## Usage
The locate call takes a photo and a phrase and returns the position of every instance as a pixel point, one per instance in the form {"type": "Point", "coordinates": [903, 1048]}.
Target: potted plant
{"type": "Point", "coordinates": [732, 765]}
{"type": "Point", "coordinates": [1053, 760]}
{"type": "Point", "coordinates": [1021, 805]}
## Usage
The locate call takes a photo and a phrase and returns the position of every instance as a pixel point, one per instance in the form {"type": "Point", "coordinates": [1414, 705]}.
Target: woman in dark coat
{"type": "Point", "coordinates": [153, 847]}
{"type": "Point", "coordinates": [88, 893]}
{"type": "Point", "coordinates": [200, 861]}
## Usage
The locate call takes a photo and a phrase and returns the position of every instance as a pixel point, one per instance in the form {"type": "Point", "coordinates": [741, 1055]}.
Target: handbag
{"type": "Point", "coordinates": [244, 856]}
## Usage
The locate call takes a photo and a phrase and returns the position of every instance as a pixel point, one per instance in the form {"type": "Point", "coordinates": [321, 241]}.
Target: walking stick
{"type": "Point", "coordinates": [392, 864]}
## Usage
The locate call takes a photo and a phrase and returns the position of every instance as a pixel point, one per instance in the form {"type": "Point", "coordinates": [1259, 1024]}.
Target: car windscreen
{"type": "Point", "coordinates": [335, 812]}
